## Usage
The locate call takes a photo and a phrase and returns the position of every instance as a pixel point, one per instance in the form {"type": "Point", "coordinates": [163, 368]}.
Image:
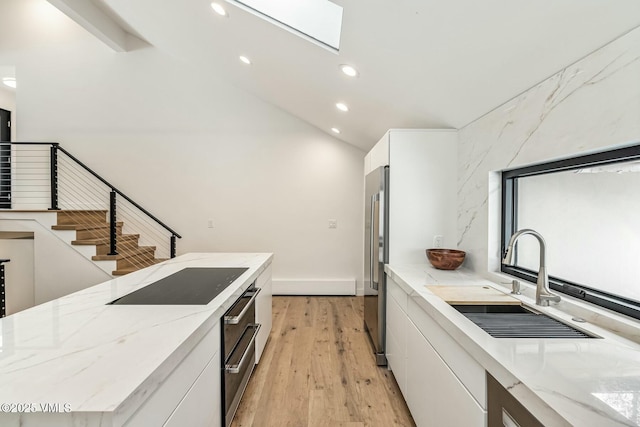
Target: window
{"type": "Point", "coordinates": [319, 21]}
{"type": "Point", "coordinates": [587, 208]}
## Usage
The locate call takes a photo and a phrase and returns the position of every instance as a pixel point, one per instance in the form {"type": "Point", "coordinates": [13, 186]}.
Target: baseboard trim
{"type": "Point", "coordinates": [314, 287]}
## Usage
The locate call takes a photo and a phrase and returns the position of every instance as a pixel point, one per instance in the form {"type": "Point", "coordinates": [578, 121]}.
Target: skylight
{"type": "Point", "coordinates": [319, 21]}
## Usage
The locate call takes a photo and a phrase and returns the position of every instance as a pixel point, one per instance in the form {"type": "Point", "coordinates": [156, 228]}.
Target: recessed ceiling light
{"type": "Point", "coordinates": [9, 81]}
{"type": "Point", "coordinates": [342, 107]}
{"type": "Point", "coordinates": [245, 59]}
{"type": "Point", "coordinates": [217, 7]}
{"type": "Point", "coordinates": [349, 70]}
{"type": "Point", "coordinates": [335, 130]}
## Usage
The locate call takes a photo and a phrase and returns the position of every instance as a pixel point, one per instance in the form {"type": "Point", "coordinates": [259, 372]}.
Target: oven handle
{"type": "Point", "coordinates": [235, 369]}
{"type": "Point", "coordinates": [234, 320]}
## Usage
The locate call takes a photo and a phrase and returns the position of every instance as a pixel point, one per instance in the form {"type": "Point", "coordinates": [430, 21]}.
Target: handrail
{"type": "Point", "coordinates": [124, 196]}
{"type": "Point", "coordinates": [32, 143]}
{"type": "Point", "coordinates": [128, 241]}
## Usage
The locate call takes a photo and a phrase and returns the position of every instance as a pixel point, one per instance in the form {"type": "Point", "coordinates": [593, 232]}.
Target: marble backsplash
{"type": "Point", "coordinates": [589, 106]}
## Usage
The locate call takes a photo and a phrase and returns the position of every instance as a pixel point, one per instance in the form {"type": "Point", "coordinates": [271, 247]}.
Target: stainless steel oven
{"type": "Point", "coordinates": [239, 331]}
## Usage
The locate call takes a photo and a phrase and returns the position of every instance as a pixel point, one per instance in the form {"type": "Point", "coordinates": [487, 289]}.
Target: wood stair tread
{"type": "Point", "coordinates": [105, 240]}
{"type": "Point", "coordinates": [82, 217]}
{"type": "Point", "coordinates": [123, 271]}
{"type": "Point", "coordinates": [92, 229]}
{"type": "Point", "coordinates": [128, 253]}
{"type": "Point", "coordinates": [88, 226]}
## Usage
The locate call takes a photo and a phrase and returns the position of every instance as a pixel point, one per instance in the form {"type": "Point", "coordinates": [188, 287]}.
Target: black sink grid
{"type": "Point", "coordinates": [514, 321]}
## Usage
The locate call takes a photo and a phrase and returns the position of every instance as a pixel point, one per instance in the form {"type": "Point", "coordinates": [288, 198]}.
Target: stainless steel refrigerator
{"type": "Point", "coordinates": [376, 255]}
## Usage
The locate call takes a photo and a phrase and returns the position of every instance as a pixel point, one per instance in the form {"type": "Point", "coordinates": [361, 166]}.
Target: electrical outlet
{"type": "Point", "coordinates": [437, 241]}
{"type": "Point", "coordinates": [210, 223]}
{"type": "Point", "coordinates": [333, 223]}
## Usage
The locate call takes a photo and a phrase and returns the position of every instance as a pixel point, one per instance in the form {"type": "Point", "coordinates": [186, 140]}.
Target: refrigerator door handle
{"type": "Point", "coordinates": [371, 242]}
{"type": "Point", "coordinates": [381, 229]}
{"type": "Point", "coordinates": [375, 239]}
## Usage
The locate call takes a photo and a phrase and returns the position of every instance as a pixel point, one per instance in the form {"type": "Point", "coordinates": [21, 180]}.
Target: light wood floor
{"type": "Point", "coordinates": [318, 370]}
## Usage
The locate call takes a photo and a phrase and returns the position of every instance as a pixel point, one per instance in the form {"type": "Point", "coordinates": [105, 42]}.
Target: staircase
{"type": "Point", "coordinates": [51, 186]}
{"type": "Point", "coordinates": [92, 229]}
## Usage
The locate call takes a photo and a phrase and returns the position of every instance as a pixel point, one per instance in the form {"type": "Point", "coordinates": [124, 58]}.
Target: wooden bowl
{"type": "Point", "coordinates": [445, 259]}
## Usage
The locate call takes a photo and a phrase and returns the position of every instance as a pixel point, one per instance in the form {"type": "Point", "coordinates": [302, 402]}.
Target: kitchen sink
{"type": "Point", "coordinates": [517, 321]}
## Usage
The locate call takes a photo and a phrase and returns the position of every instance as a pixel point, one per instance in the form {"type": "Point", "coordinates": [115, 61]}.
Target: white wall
{"type": "Point", "coordinates": [8, 102]}
{"type": "Point", "coordinates": [589, 106]}
{"type": "Point", "coordinates": [191, 148]}
{"type": "Point", "coordinates": [58, 268]}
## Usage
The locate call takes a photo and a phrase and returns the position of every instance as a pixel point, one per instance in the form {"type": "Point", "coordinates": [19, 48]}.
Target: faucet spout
{"type": "Point", "coordinates": [543, 294]}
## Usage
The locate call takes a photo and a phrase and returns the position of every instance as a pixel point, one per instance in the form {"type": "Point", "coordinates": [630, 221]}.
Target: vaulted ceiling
{"type": "Point", "coordinates": [422, 63]}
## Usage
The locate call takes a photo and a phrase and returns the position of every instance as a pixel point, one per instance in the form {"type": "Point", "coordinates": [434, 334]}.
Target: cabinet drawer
{"type": "Point", "coordinates": [159, 406]}
{"type": "Point", "coordinates": [397, 293]}
{"type": "Point", "coordinates": [436, 397]}
{"type": "Point", "coordinates": [396, 350]}
{"type": "Point", "coordinates": [202, 404]}
{"type": "Point", "coordinates": [470, 373]}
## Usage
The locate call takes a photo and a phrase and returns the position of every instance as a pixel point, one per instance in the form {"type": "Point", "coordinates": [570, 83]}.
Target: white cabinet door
{"type": "Point", "coordinates": [465, 367]}
{"type": "Point", "coordinates": [263, 310]}
{"type": "Point", "coordinates": [378, 156]}
{"type": "Point", "coordinates": [422, 198]}
{"type": "Point", "coordinates": [202, 404]}
{"type": "Point", "coordinates": [435, 396]}
{"type": "Point", "coordinates": [158, 407]}
{"type": "Point", "coordinates": [397, 343]}
{"type": "Point", "coordinates": [396, 329]}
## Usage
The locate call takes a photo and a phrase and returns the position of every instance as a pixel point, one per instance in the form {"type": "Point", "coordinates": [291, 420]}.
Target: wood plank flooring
{"type": "Point", "coordinates": [318, 370]}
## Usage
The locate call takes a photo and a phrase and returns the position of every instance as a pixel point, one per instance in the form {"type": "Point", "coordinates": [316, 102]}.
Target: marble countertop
{"type": "Point", "coordinates": [563, 382]}
{"type": "Point", "coordinates": [109, 358]}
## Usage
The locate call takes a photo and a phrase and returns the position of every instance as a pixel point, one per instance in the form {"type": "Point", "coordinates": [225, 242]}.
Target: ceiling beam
{"type": "Point", "coordinates": [94, 20]}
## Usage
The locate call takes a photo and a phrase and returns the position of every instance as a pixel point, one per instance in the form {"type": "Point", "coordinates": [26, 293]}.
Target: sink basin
{"type": "Point", "coordinates": [506, 308]}
{"type": "Point", "coordinates": [516, 321]}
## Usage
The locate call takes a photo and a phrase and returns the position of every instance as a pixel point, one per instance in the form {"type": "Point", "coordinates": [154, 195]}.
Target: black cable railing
{"type": "Point", "coordinates": [44, 172]}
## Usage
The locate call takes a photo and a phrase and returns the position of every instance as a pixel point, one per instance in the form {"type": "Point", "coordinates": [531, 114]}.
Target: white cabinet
{"type": "Point", "coordinates": [396, 351]}
{"type": "Point", "coordinates": [435, 396]}
{"type": "Point", "coordinates": [422, 189]}
{"type": "Point", "coordinates": [465, 367]}
{"type": "Point", "coordinates": [378, 156]}
{"type": "Point", "coordinates": [423, 192]}
{"type": "Point", "coordinates": [263, 310]}
{"type": "Point", "coordinates": [441, 383]}
{"type": "Point", "coordinates": [195, 382]}
{"type": "Point", "coordinates": [201, 405]}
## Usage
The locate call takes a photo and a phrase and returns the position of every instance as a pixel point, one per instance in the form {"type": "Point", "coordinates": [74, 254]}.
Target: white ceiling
{"type": "Point", "coordinates": [422, 63]}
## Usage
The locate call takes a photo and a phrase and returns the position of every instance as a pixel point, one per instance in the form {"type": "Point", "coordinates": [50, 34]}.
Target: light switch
{"type": "Point", "coordinates": [210, 223]}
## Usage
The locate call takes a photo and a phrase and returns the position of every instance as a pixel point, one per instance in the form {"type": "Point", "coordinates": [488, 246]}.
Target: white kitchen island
{"type": "Point", "coordinates": [77, 361]}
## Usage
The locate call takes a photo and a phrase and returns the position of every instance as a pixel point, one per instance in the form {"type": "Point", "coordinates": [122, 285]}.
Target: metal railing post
{"type": "Point", "coordinates": [53, 158]}
{"type": "Point", "coordinates": [3, 302]}
{"type": "Point", "coordinates": [112, 223]}
{"type": "Point", "coordinates": [173, 246]}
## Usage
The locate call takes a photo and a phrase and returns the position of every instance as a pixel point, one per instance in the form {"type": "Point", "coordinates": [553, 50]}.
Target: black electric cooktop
{"type": "Point", "coordinates": [191, 286]}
